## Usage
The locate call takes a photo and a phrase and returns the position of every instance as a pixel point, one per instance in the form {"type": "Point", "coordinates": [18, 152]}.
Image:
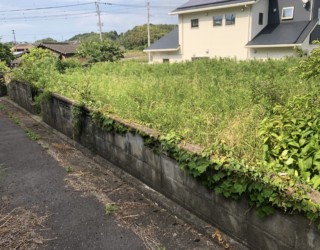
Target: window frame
{"type": "Point", "coordinates": [230, 22]}
{"type": "Point", "coordinates": [284, 11]}
{"type": "Point", "coordinates": [215, 24]}
{"type": "Point", "coordinates": [195, 23]}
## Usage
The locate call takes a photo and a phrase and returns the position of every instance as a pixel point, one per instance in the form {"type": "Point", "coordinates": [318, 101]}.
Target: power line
{"type": "Point", "coordinates": [47, 8]}
{"type": "Point", "coordinates": [83, 4]}
{"type": "Point", "coordinates": [46, 16]}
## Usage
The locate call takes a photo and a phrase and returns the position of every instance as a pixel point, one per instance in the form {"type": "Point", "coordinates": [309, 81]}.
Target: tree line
{"type": "Point", "coordinates": [134, 39]}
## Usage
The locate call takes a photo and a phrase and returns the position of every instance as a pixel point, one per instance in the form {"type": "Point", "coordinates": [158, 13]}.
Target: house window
{"type": "Point", "coordinates": [260, 18]}
{"type": "Point", "coordinates": [217, 21]}
{"type": "Point", "coordinates": [194, 23]}
{"type": "Point", "coordinates": [230, 19]}
{"type": "Point", "coordinates": [287, 13]}
{"type": "Point", "coordinates": [165, 60]}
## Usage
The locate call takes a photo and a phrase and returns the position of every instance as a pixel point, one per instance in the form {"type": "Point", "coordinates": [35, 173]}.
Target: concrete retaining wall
{"type": "Point", "coordinates": [3, 87]}
{"type": "Point", "coordinates": [235, 218]}
{"type": "Point", "coordinates": [21, 93]}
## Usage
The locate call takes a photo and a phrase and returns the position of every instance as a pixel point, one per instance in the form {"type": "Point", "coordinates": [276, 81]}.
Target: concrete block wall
{"type": "Point", "coordinates": [3, 87]}
{"type": "Point", "coordinates": [21, 93]}
{"type": "Point", "coordinates": [235, 218]}
{"type": "Point", "coordinates": [3, 90]}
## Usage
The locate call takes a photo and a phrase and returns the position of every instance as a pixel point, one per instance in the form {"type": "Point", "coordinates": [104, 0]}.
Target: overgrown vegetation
{"type": "Point", "coordinates": [105, 51]}
{"type": "Point", "coordinates": [5, 53]}
{"type": "Point", "coordinates": [257, 121]}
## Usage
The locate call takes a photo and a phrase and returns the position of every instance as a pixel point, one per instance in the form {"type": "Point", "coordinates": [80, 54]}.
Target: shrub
{"type": "Point", "coordinates": [106, 51]}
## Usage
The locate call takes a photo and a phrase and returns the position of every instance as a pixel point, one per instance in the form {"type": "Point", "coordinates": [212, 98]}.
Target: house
{"type": "Point", "coordinates": [62, 50]}
{"type": "Point", "coordinates": [241, 29]}
{"type": "Point", "coordinates": [20, 49]}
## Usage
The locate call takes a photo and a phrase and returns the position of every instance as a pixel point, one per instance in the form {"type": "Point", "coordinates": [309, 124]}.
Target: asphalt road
{"type": "Point", "coordinates": [55, 196]}
{"type": "Point", "coordinates": [33, 178]}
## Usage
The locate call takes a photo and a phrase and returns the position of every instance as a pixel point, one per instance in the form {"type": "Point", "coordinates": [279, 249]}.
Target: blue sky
{"type": "Point", "coordinates": [33, 20]}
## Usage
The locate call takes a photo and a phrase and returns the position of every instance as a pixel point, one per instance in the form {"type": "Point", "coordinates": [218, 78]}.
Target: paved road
{"type": "Point", "coordinates": [32, 178]}
{"type": "Point", "coordinates": [53, 196]}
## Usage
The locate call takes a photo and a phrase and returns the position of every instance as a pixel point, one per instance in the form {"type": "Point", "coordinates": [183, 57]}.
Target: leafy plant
{"type": "Point", "coordinates": [37, 67]}
{"type": "Point", "coordinates": [5, 54]}
{"type": "Point", "coordinates": [310, 67]}
{"type": "Point", "coordinates": [2, 107]}
{"type": "Point", "coordinates": [14, 118]}
{"type": "Point", "coordinates": [77, 113]}
{"type": "Point", "coordinates": [32, 135]}
{"type": "Point", "coordinates": [291, 137]}
{"type": "Point", "coordinates": [111, 208]}
{"type": "Point", "coordinates": [67, 64]}
{"type": "Point", "coordinates": [69, 169]}
{"type": "Point", "coordinates": [105, 51]}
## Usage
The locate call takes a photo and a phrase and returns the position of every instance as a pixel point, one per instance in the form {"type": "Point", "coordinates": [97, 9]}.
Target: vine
{"type": "Point", "coordinates": [216, 168]}
{"type": "Point", "coordinates": [77, 111]}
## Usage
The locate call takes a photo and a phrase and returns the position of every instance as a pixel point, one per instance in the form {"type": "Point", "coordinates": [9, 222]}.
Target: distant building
{"type": "Point", "coordinates": [21, 49]}
{"type": "Point", "coordinates": [241, 29]}
{"type": "Point", "coordinates": [63, 50]}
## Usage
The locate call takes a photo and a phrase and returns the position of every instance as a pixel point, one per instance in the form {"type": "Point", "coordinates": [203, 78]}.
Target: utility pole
{"type": "Point", "coordinates": [14, 38]}
{"type": "Point", "coordinates": [148, 27]}
{"type": "Point", "coordinates": [100, 24]}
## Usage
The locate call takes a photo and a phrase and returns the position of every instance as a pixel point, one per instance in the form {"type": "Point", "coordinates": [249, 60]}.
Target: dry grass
{"type": "Point", "coordinates": [19, 229]}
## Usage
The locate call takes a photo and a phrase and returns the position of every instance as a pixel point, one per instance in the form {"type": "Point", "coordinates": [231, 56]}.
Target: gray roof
{"type": "Point", "coordinates": [284, 33]}
{"type": "Point", "coordinates": [61, 48]}
{"type": "Point", "coordinates": [196, 4]}
{"type": "Point", "coordinates": [167, 42]}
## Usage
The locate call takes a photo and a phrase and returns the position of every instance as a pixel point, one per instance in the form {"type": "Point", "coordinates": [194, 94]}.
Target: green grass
{"type": "Point", "coordinates": [2, 107]}
{"type": "Point", "coordinates": [205, 102]}
{"type": "Point", "coordinates": [32, 135]}
{"type": "Point", "coordinates": [14, 119]}
{"type": "Point", "coordinates": [112, 208]}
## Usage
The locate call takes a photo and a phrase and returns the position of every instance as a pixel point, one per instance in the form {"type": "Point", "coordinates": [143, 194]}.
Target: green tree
{"type": "Point", "coordinates": [105, 51]}
{"type": "Point", "coordinates": [47, 40]}
{"type": "Point", "coordinates": [5, 53]}
{"type": "Point", "coordinates": [137, 38]}
{"type": "Point", "coordinates": [86, 37]}
{"type": "Point", "coordinates": [36, 67]}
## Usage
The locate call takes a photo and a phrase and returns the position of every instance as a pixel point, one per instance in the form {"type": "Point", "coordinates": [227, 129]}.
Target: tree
{"type": "Point", "coordinates": [36, 67]}
{"type": "Point", "coordinates": [47, 40]}
{"type": "Point", "coordinates": [5, 53]}
{"type": "Point", "coordinates": [137, 38]}
{"type": "Point", "coordinates": [105, 51]}
{"type": "Point", "coordinates": [95, 37]}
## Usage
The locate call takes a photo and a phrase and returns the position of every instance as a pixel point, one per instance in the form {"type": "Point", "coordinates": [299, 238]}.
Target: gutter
{"type": "Point", "coordinates": [161, 50]}
{"type": "Point", "coordinates": [274, 45]}
{"type": "Point", "coordinates": [211, 8]}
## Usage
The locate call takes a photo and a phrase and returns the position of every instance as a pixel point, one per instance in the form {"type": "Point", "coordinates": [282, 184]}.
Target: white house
{"type": "Point", "coordinates": [241, 29]}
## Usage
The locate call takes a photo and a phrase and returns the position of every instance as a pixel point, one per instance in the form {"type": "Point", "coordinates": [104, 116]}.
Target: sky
{"type": "Point", "coordinates": [33, 20]}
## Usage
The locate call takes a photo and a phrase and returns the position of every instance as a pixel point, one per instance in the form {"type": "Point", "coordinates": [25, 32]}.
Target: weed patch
{"type": "Point", "coordinates": [111, 208]}
{"type": "Point", "coordinates": [32, 135]}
